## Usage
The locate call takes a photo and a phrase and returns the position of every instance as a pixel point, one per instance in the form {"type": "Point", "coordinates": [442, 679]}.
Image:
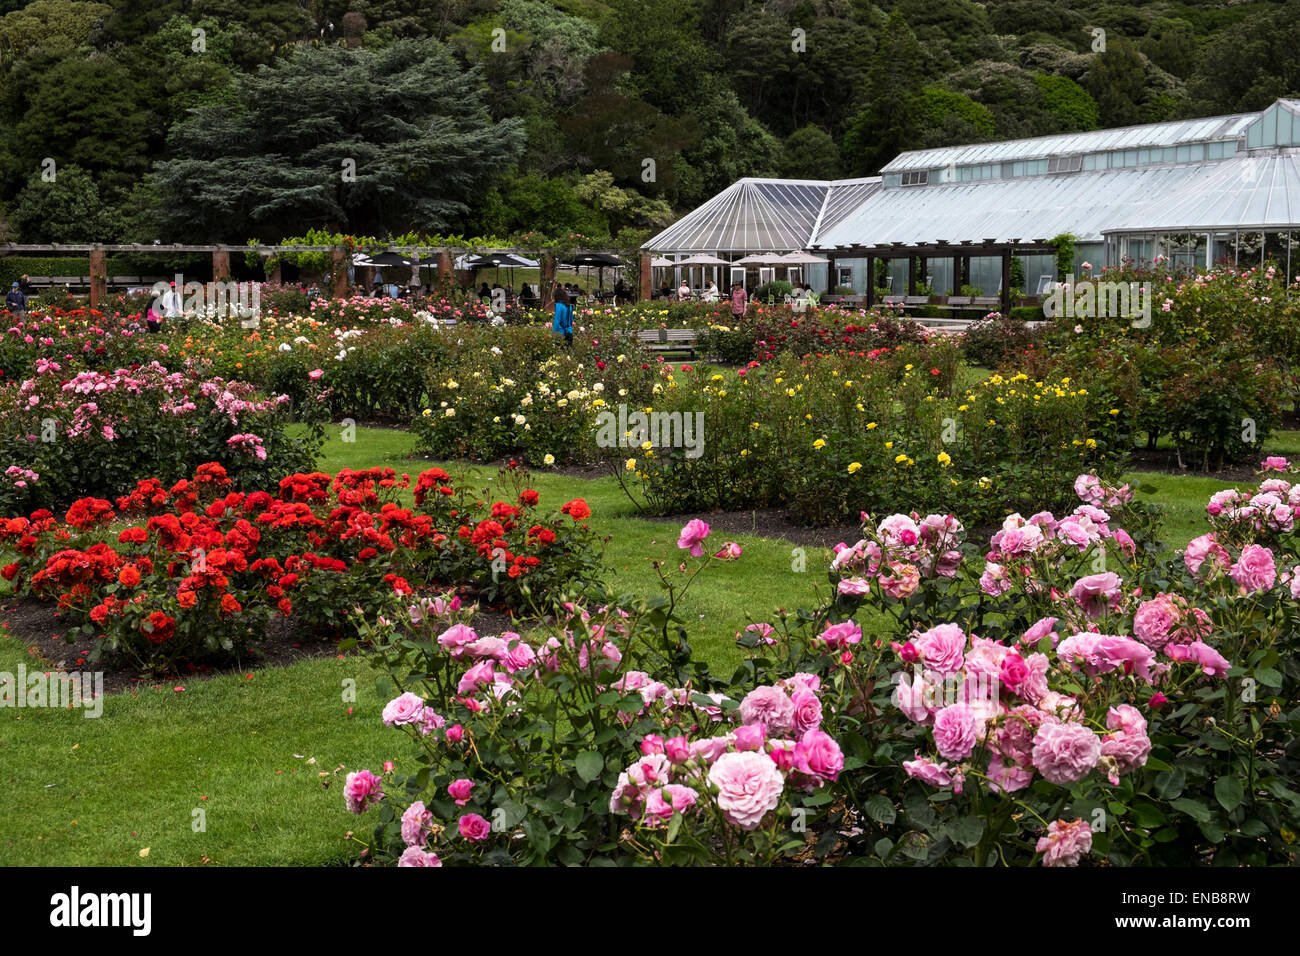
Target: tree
{"type": "Point", "coordinates": [1171, 45]}
{"type": "Point", "coordinates": [69, 209]}
{"type": "Point", "coordinates": [360, 140]}
{"type": "Point", "coordinates": [1068, 100]}
{"type": "Point", "coordinates": [947, 118]}
{"type": "Point", "coordinates": [887, 125]}
{"type": "Point", "coordinates": [810, 153]}
{"type": "Point", "coordinates": [83, 112]}
{"type": "Point", "coordinates": [1117, 81]}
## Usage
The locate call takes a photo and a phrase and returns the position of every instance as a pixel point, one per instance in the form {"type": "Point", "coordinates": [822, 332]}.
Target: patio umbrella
{"type": "Point", "coordinates": [508, 260]}
{"type": "Point", "coordinates": [803, 258]}
{"type": "Point", "coordinates": [762, 259]}
{"type": "Point", "coordinates": [702, 260]}
{"type": "Point", "coordinates": [598, 259]}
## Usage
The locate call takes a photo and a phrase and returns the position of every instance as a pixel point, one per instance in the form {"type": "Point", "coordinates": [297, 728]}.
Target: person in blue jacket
{"type": "Point", "coordinates": [563, 324]}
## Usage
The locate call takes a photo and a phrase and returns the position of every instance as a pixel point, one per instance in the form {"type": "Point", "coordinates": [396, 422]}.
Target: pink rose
{"type": "Point", "coordinates": [414, 856]}
{"type": "Point", "coordinates": [1202, 655]}
{"type": "Point", "coordinates": [1127, 743]}
{"type": "Point", "coordinates": [455, 733]}
{"type": "Point", "coordinates": [1065, 843]}
{"type": "Point", "coordinates": [455, 638]}
{"type": "Point", "coordinates": [749, 787]}
{"type": "Point", "coordinates": [955, 731]}
{"type": "Point", "coordinates": [1154, 620]}
{"type": "Point", "coordinates": [473, 827]}
{"type": "Point", "coordinates": [768, 705]}
{"type": "Point", "coordinates": [818, 755]}
{"type": "Point", "coordinates": [677, 750]}
{"type": "Point", "coordinates": [362, 788]}
{"type": "Point", "coordinates": [1008, 777]}
{"type": "Point", "coordinates": [1065, 752]}
{"type": "Point", "coordinates": [932, 773]}
{"type": "Point", "coordinates": [1203, 550]}
{"type": "Point", "coordinates": [942, 648]}
{"type": "Point", "coordinates": [693, 534]}
{"type": "Point", "coordinates": [459, 790]}
{"type": "Point", "coordinates": [415, 824]}
{"type": "Point", "coordinates": [1097, 593]}
{"type": "Point", "coordinates": [481, 674]}
{"type": "Point", "coordinates": [807, 711]}
{"type": "Point", "coordinates": [839, 636]}
{"type": "Point", "coordinates": [406, 709]}
{"type": "Point", "coordinates": [1039, 630]}
{"type": "Point", "coordinates": [915, 698]}
{"type": "Point", "coordinates": [1254, 570]}
{"type": "Point", "coordinates": [749, 736]}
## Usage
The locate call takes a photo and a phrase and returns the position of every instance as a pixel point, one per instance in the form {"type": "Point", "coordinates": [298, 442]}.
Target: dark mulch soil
{"type": "Point", "coordinates": [769, 523]}
{"type": "Point", "coordinates": [38, 626]}
{"type": "Point", "coordinates": [1165, 461]}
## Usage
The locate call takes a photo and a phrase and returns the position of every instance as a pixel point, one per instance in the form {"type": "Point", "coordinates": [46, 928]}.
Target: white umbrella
{"type": "Point", "coordinates": [762, 259]}
{"type": "Point", "coordinates": [803, 258]}
{"type": "Point", "coordinates": [660, 262]}
{"type": "Point", "coordinates": [702, 260]}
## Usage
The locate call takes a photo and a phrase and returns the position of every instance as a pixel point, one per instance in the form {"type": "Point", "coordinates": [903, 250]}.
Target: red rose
{"type": "Point", "coordinates": [285, 606]}
{"type": "Point", "coordinates": [129, 576]}
{"type": "Point", "coordinates": [230, 605]}
{"type": "Point", "coordinates": [9, 571]}
{"type": "Point", "coordinates": [577, 509]}
{"type": "Point", "coordinates": [367, 553]}
{"type": "Point", "coordinates": [528, 497]}
{"type": "Point", "coordinates": [185, 599]}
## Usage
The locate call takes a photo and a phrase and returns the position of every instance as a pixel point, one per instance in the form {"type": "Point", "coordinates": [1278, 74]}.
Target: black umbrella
{"type": "Point", "coordinates": [498, 259]}
{"type": "Point", "coordinates": [598, 259]}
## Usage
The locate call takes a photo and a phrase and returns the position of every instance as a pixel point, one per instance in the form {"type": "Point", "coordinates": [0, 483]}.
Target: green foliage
{"type": "Point", "coordinates": [1069, 100]}
{"type": "Point", "coordinates": [398, 136]}
{"type": "Point", "coordinates": [810, 153]}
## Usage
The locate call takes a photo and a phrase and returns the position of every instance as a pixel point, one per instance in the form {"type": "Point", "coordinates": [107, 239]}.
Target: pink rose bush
{"type": "Point", "coordinates": [937, 706]}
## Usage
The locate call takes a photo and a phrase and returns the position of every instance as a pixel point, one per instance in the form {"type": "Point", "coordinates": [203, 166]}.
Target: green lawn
{"type": "Point", "coordinates": [97, 792]}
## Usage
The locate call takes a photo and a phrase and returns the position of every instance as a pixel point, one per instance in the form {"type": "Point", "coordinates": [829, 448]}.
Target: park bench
{"type": "Point", "coordinates": [669, 340]}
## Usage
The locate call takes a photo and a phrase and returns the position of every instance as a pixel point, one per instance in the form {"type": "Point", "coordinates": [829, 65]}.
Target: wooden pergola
{"type": "Point", "coordinates": [441, 256]}
{"type": "Point", "coordinates": [960, 253]}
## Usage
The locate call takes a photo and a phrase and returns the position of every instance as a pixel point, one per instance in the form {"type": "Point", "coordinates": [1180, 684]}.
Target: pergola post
{"type": "Point", "coordinates": [871, 281]}
{"type": "Point", "coordinates": [98, 276]}
{"type": "Point", "coordinates": [221, 264]}
{"type": "Point", "coordinates": [446, 274]}
{"type": "Point", "coordinates": [831, 273]}
{"type": "Point", "coordinates": [911, 275]}
{"type": "Point", "coordinates": [275, 275]}
{"type": "Point", "coordinates": [644, 277]}
{"type": "Point", "coordinates": [547, 279]}
{"type": "Point", "coordinates": [956, 275]}
{"type": "Point", "coordinates": [338, 273]}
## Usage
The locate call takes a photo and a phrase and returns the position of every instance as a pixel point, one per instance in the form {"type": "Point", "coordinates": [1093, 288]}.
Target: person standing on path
{"type": "Point", "coordinates": [563, 324]}
{"type": "Point", "coordinates": [16, 301]}
{"type": "Point", "coordinates": [738, 299]}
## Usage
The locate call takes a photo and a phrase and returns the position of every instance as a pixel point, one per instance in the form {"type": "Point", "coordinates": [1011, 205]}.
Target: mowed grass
{"type": "Point", "coordinates": [83, 792]}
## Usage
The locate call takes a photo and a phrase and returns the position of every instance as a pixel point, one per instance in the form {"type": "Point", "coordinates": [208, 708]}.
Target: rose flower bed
{"type": "Point", "coordinates": [1069, 694]}
{"type": "Point", "coordinates": [200, 569]}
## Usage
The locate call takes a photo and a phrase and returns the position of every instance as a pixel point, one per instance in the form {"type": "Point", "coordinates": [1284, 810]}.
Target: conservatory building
{"type": "Point", "coordinates": [980, 218]}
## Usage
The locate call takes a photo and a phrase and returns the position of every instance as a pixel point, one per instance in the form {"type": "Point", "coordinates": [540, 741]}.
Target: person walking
{"type": "Point", "coordinates": [738, 299]}
{"type": "Point", "coordinates": [171, 303]}
{"type": "Point", "coordinates": [563, 324]}
{"type": "Point", "coordinates": [16, 301]}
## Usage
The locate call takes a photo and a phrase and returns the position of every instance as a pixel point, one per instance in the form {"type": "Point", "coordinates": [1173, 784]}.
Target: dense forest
{"type": "Point", "coordinates": [217, 120]}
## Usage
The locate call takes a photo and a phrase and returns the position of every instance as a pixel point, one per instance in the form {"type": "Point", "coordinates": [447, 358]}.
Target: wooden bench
{"type": "Point", "coordinates": [669, 340]}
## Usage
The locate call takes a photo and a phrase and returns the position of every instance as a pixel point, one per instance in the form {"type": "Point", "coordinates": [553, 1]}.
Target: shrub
{"type": "Point", "coordinates": [200, 569]}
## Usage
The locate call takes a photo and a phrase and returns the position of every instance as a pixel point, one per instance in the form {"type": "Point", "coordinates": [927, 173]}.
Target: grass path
{"type": "Point", "coordinates": [85, 792]}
